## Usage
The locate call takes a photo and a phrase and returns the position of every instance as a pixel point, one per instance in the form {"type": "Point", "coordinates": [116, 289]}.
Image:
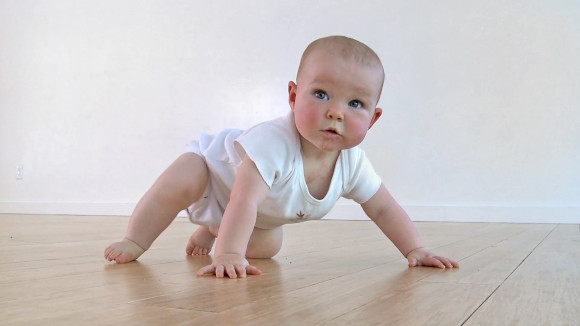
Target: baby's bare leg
{"type": "Point", "coordinates": [182, 184]}
{"type": "Point", "coordinates": [264, 243]}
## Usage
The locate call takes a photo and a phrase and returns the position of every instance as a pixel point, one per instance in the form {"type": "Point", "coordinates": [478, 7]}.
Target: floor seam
{"type": "Point", "coordinates": [512, 272]}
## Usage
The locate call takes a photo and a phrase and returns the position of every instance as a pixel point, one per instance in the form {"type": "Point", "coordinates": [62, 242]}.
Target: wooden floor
{"type": "Point", "coordinates": [328, 273]}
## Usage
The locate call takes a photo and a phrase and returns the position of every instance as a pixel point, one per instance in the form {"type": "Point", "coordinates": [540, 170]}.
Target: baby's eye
{"type": "Point", "coordinates": [355, 104]}
{"type": "Point", "coordinates": [321, 95]}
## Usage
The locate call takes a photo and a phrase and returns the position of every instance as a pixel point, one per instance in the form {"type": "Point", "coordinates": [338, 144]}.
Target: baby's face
{"type": "Point", "coordinates": [335, 101]}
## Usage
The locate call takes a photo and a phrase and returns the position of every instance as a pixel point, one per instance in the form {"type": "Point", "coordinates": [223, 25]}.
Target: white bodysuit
{"type": "Point", "coordinates": [274, 146]}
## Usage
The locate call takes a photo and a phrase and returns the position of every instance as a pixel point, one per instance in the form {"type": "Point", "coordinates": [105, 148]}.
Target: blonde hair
{"type": "Point", "coordinates": [347, 48]}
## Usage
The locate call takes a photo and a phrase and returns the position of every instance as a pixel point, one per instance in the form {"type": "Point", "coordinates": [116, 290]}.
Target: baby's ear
{"type": "Point", "coordinates": [292, 94]}
{"type": "Point", "coordinates": [376, 115]}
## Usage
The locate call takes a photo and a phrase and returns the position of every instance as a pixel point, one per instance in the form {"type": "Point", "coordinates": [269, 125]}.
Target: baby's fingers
{"type": "Point", "coordinates": [241, 271]}
{"type": "Point", "coordinates": [209, 269]}
{"type": "Point", "coordinates": [448, 262]}
{"type": "Point", "coordinates": [222, 271]}
{"type": "Point", "coordinates": [434, 262]}
{"type": "Point", "coordinates": [253, 270]}
{"type": "Point", "coordinates": [230, 271]}
{"type": "Point", "coordinates": [442, 262]}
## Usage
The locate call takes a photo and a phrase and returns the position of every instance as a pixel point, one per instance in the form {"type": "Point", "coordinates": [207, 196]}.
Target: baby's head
{"type": "Point", "coordinates": [348, 49]}
{"type": "Point", "coordinates": [335, 96]}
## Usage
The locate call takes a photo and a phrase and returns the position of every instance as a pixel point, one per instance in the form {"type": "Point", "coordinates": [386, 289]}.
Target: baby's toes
{"type": "Point", "coordinates": [189, 249]}
{"type": "Point", "coordinates": [112, 254]}
{"type": "Point", "coordinates": [197, 250]}
{"type": "Point", "coordinates": [123, 258]}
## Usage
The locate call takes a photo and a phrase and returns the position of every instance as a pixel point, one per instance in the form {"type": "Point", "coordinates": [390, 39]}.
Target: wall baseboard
{"type": "Point", "coordinates": [496, 214]}
{"type": "Point", "coordinates": [61, 208]}
{"type": "Point", "coordinates": [342, 211]}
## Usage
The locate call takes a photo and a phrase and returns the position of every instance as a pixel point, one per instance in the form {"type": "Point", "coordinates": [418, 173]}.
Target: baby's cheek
{"type": "Point", "coordinates": [359, 131]}
{"type": "Point", "coordinates": [304, 123]}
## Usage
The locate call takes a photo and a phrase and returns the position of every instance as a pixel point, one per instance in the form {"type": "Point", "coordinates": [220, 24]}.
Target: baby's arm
{"type": "Point", "coordinates": [394, 222]}
{"type": "Point", "coordinates": [248, 191]}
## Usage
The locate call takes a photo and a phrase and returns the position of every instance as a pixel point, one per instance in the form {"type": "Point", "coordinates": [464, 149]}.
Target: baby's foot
{"type": "Point", "coordinates": [123, 251]}
{"type": "Point", "coordinates": [200, 242]}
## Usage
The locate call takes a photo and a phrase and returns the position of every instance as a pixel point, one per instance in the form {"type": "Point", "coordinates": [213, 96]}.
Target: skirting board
{"type": "Point", "coordinates": [342, 211]}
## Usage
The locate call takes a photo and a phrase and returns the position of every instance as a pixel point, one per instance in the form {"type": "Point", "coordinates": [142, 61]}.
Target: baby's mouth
{"type": "Point", "coordinates": [332, 131]}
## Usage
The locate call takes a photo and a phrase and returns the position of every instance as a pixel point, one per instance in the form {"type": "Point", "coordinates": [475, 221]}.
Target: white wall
{"type": "Point", "coordinates": [482, 99]}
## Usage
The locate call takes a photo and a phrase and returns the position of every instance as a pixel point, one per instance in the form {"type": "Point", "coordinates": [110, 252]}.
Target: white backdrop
{"type": "Point", "coordinates": [482, 99]}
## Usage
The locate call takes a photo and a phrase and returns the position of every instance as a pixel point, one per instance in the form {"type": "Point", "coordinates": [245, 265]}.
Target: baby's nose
{"type": "Point", "coordinates": [335, 113]}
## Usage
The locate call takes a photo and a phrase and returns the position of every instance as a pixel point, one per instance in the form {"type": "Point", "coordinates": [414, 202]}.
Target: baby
{"type": "Point", "coordinates": [241, 187]}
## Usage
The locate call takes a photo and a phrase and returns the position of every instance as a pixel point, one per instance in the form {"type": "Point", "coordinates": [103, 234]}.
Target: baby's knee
{"type": "Point", "coordinates": [261, 252]}
{"type": "Point", "coordinates": [264, 243]}
{"type": "Point", "coordinates": [184, 182]}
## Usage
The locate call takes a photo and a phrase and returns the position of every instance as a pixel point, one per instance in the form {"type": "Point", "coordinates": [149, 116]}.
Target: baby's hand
{"type": "Point", "coordinates": [422, 257]}
{"type": "Point", "coordinates": [232, 265]}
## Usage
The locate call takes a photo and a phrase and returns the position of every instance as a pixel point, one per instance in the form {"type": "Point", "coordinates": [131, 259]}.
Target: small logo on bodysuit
{"type": "Point", "coordinates": [302, 216]}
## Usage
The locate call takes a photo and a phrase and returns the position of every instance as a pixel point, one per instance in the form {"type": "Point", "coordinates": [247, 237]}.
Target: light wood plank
{"type": "Point", "coordinates": [422, 303]}
{"type": "Point", "coordinates": [494, 258]}
{"type": "Point", "coordinates": [317, 303]}
{"type": "Point", "coordinates": [58, 313]}
{"type": "Point", "coordinates": [328, 272]}
{"type": "Point", "coordinates": [544, 290]}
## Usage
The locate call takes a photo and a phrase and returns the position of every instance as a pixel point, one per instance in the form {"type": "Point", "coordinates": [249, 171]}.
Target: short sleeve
{"type": "Point", "coordinates": [362, 182]}
{"type": "Point", "coordinates": [272, 147]}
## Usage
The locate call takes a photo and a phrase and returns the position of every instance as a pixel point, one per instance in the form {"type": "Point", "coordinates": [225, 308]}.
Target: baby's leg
{"type": "Point", "coordinates": [182, 184]}
{"type": "Point", "coordinates": [264, 243]}
{"type": "Point", "coordinates": [201, 241]}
